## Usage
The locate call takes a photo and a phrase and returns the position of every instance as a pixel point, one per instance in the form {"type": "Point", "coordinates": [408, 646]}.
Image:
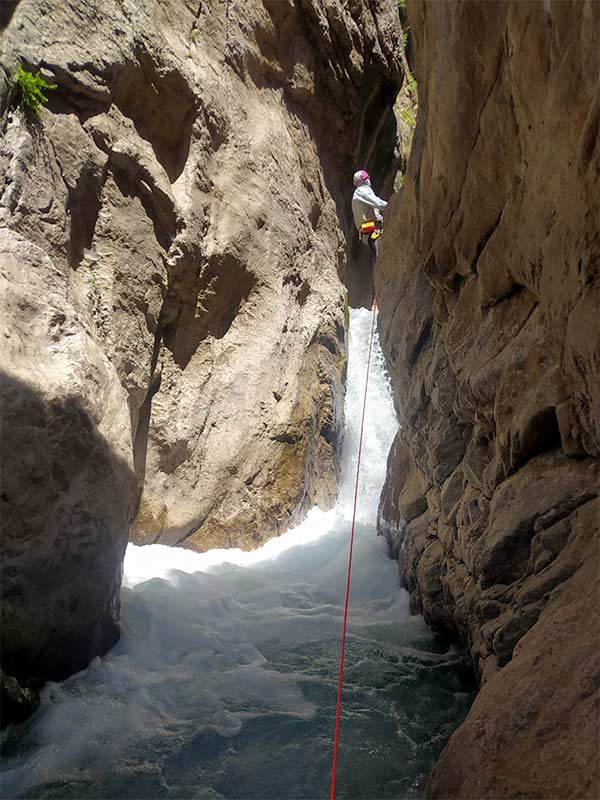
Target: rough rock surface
{"type": "Point", "coordinates": [171, 256]}
{"type": "Point", "coordinates": [67, 477]}
{"type": "Point", "coordinates": [488, 283]}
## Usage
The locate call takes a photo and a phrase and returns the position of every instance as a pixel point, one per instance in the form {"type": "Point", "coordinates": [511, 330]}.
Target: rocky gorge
{"type": "Point", "coordinates": [172, 307]}
{"type": "Point", "coordinates": [489, 294]}
{"type": "Point", "coordinates": [176, 255]}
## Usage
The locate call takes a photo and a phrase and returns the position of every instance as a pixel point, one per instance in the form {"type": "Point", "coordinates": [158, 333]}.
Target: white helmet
{"type": "Point", "coordinates": [360, 177]}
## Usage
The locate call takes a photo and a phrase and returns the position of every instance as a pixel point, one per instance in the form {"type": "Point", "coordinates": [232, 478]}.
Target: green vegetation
{"type": "Point", "coordinates": [412, 83]}
{"type": "Point", "coordinates": [402, 5]}
{"type": "Point", "coordinates": [32, 87]}
{"type": "Point", "coordinates": [342, 365]}
{"type": "Point", "coordinates": [342, 362]}
{"type": "Point", "coordinates": [194, 34]}
{"type": "Point", "coordinates": [407, 116]}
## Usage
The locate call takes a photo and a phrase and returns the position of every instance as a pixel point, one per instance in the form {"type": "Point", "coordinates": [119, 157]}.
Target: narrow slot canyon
{"type": "Point", "coordinates": [217, 395]}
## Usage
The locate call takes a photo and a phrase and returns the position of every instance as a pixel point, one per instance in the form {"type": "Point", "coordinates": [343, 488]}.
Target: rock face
{"type": "Point", "coordinates": [67, 479]}
{"type": "Point", "coordinates": [488, 283]}
{"type": "Point", "coordinates": [171, 253]}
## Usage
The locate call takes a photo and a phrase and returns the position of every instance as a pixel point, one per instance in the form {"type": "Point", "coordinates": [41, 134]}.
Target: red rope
{"type": "Point", "coordinates": [343, 649]}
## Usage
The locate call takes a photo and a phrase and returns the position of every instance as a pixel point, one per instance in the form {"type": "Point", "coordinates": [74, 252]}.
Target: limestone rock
{"type": "Point", "coordinates": [67, 474]}
{"type": "Point", "coordinates": [201, 234]}
{"type": "Point", "coordinates": [173, 253]}
{"type": "Point", "coordinates": [533, 729]}
{"type": "Point", "coordinates": [489, 297]}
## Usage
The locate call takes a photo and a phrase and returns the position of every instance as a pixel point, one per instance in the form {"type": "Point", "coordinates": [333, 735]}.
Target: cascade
{"type": "Point", "coordinates": [223, 684]}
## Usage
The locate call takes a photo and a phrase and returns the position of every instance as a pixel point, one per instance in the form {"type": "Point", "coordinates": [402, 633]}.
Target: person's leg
{"type": "Point", "coordinates": [374, 247]}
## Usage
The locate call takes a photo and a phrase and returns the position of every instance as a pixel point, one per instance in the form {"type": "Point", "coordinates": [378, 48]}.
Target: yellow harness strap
{"type": "Point", "coordinates": [368, 227]}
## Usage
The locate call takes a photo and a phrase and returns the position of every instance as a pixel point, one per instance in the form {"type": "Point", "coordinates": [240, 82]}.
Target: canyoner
{"type": "Point", "coordinates": [366, 209]}
{"type": "Point", "coordinates": [245, 517]}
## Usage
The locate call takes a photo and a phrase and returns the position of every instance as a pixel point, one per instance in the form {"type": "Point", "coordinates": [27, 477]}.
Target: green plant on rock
{"type": "Point", "coordinates": [407, 116]}
{"type": "Point", "coordinates": [412, 83]}
{"type": "Point", "coordinates": [342, 365]}
{"type": "Point", "coordinates": [31, 89]}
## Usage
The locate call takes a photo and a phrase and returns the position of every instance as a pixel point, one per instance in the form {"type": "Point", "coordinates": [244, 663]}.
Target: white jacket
{"type": "Point", "coordinates": [365, 204]}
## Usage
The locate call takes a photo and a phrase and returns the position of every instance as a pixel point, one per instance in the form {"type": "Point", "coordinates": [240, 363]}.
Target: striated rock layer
{"type": "Point", "coordinates": [488, 283]}
{"type": "Point", "coordinates": [173, 315]}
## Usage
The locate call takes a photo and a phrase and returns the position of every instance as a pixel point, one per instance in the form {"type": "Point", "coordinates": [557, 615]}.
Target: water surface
{"type": "Point", "coordinates": [223, 684]}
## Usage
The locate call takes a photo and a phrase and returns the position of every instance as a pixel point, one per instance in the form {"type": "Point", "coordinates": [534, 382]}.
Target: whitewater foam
{"type": "Point", "coordinates": [223, 684]}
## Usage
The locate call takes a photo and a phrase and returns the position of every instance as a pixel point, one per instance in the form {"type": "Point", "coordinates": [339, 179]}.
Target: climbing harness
{"type": "Point", "coordinates": [344, 624]}
{"type": "Point", "coordinates": [370, 232]}
{"type": "Point", "coordinates": [370, 229]}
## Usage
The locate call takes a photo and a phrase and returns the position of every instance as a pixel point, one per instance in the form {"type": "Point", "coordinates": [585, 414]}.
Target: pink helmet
{"type": "Point", "coordinates": [360, 177]}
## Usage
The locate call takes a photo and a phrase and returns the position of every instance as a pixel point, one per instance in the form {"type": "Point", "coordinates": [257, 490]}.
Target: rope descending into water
{"type": "Point", "coordinates": [343, 648]}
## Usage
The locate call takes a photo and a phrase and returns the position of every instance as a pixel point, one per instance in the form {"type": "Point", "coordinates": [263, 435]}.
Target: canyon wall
{"type": "Point", "coordinates": [488, 283]}
{"type": "Point", "coordinates": [172, 309]}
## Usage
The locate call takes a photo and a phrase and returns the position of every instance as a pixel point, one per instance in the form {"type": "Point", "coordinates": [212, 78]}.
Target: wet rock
{"type": "Point", "coordinates": [532, 729]}
{"type": "Point", "coordinates": [16, 702]}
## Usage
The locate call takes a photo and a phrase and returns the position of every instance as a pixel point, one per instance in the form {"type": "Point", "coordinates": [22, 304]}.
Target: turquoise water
{"type": "Point", "coordinates": [224, 682]}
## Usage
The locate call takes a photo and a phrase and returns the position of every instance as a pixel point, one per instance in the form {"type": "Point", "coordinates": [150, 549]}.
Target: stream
{"type": "Point", "coordinates": [223, 684]}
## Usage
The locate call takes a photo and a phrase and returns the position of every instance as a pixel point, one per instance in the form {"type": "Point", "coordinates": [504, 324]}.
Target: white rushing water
{"type": "Point", "coordinates": [223, 684]}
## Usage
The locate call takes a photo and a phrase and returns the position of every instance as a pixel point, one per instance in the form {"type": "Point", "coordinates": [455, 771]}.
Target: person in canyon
{"type": "Point", "coordinates": [367, 207]}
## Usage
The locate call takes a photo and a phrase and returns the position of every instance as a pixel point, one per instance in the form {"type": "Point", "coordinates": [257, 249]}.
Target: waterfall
{"type": "Point", "coordinates": [223, 684]}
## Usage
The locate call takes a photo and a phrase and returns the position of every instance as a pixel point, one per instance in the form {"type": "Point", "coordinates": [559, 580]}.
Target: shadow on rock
{"type": "Point", "coordinates": [66, 501]}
